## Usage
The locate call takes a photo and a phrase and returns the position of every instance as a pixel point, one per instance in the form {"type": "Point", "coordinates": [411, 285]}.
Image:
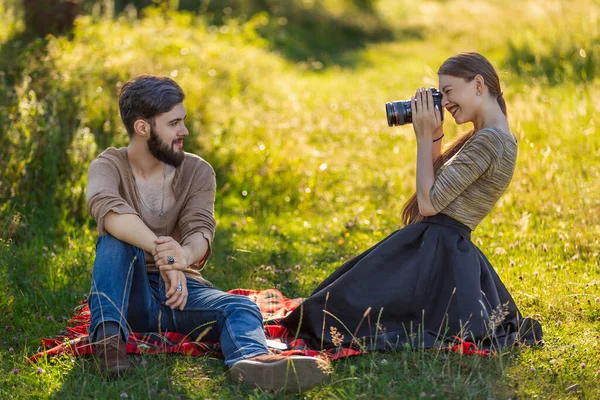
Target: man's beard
{"type": "Point", "coordinates": [162, 151]}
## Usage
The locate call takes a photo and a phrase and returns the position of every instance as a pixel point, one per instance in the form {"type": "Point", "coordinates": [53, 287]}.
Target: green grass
{"type": "Point", "coordinates": [309, 174]}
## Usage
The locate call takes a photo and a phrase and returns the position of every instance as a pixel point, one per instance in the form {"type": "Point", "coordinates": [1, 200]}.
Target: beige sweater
{"type": "Point", "coordinates": [469, 184]}
{"type": "Point", "coordinates": [111, 187]}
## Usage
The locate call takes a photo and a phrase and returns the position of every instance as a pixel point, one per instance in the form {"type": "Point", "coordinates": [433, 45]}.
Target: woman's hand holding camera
{"type": "Point", "coordinates": [426, 116]}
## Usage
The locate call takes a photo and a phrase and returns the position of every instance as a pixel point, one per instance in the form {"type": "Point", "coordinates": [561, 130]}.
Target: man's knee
{"type": "Point", "coordinates": [110, 246]}
{"type": "Point", "coordinates": [116, 255]}
{"type": "Point", "coordinates": [244, 304]}
{"type": "Point", "coordinates": [108, 241]}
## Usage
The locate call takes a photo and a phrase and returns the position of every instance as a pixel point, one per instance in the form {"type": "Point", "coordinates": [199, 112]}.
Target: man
{"type": "Point", "coordinates": [153, 204]}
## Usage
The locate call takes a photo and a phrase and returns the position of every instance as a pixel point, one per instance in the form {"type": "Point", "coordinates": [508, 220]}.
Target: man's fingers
{"type": "Point", "coordinates": [174, 267]}
{"type": "Point", "coordinates": [184, 302]}
{"type": "Point", "coordinates": [161, 246]}
{"type": "Point", "coordinates": [163, 255]}
{"type": "Point", "coordinates": [168, 246]}
{"type": "Point", "coordinates": [173, 290]}
{"type": "Point", "coordinates": [163, 239]}
{"type": "Point", "coordinates": [170, 293]}
{"type": "Point", "coordinates": [173, 295]}
{"type": "Point", "coordinates": [163, 266]}
{"type": "Point", "coordinates": [162, 258]}
{"type": "Point", "coordinates": [167, 281]}
{"type": "Point", "coordinates": [178, 300]}
{"type": "Point", "coordinates": [172, 300]}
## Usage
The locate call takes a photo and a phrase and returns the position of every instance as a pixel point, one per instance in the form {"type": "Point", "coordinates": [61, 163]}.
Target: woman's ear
{"type": "Point", "coordinates": [479, 83]}
{"type": "Point", "coordinates": [141, 127]}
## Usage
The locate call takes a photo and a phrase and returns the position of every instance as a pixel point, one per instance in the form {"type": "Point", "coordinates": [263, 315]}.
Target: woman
{"type": "Point", "coordinates": [428, 283]}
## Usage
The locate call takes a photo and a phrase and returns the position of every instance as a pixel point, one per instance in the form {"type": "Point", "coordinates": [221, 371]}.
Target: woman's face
{"type": "Point", "coordinates": [459, 97]}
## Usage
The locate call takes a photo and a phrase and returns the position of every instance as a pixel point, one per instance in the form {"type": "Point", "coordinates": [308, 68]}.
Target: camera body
{"type": "Point", "coordinates": [399, 113]}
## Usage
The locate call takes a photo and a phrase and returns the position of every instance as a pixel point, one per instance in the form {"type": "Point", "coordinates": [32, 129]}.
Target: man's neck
{"type": "Point", "coordinates": [143, 163]}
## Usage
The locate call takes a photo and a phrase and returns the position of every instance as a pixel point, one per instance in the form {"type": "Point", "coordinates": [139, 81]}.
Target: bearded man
{"type": "Point", "coordinates": [153, 204]}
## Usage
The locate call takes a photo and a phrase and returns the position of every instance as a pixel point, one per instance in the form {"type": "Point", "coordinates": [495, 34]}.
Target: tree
{"type": "Point", "coordinates": [56, 17]}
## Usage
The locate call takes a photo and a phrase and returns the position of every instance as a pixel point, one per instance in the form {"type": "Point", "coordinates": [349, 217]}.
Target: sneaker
{"type": "Point", "coordinates": [272, 372]}
{"type": "Point", "coordinates": [112, 354]}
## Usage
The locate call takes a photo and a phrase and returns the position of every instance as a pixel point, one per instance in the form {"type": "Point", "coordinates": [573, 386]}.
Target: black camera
{"type": "Point", "coordinates": [399, 113]}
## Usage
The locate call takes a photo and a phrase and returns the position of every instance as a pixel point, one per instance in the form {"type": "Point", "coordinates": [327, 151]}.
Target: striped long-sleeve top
{"type": "Point", "coordinates": [469, 184]}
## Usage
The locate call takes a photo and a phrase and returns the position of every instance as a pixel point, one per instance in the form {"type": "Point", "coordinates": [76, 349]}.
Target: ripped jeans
{"type": "Point", "coordinates": [125, 293]}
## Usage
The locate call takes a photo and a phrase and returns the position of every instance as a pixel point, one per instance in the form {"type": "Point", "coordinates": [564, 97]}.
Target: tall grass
{"type": "Point", "coordinates": [309, 174]}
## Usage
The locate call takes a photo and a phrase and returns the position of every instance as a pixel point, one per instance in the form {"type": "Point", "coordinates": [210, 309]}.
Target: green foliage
{"type": "Point", "coordinates": [42, 145]}
{"type": "Point", "coordinates": [10, 21]}
{"type": "Point", "coordinates": [561, 54]}
{"type": "Point", "coordinates": [564, 61]}
{"type": "Point", "coordinates": [307, 30]}
{"type": "Point", "coordinates": [309, 175]}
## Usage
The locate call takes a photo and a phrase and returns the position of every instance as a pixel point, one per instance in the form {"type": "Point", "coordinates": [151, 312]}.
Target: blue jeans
{"type": "Point", "coordinates": [125, 293]}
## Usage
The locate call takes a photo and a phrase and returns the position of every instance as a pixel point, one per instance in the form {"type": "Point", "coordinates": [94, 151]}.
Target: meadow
{"type": "Point", "coordinates": [291, 115]}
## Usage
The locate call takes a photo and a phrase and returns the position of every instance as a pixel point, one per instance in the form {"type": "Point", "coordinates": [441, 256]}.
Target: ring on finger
{"type": "Point", "coordinates": [179, 288]}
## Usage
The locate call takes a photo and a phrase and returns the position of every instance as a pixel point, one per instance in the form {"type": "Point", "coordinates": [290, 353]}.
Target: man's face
{"type": "Point", "coordinates": [167, 134]}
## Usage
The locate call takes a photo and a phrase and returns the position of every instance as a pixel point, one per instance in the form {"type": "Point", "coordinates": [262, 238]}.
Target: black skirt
{"type": "Point", "coordinates": [422, 286]}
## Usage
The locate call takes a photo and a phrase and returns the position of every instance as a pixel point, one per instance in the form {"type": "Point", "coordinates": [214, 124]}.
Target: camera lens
{"type": "Point", "coordinates": [398, 112]}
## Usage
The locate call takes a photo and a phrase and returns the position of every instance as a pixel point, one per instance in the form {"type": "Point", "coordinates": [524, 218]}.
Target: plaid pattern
{"type": "Point", "coordinates": [273, 306]}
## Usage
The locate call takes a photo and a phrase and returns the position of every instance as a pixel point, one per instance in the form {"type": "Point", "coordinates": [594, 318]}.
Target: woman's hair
{"type": "Point", "coordinates": [466, 66]}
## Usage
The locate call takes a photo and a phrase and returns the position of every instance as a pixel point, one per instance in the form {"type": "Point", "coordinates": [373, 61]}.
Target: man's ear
{"type": "Point", "coordinates": [141, 127]}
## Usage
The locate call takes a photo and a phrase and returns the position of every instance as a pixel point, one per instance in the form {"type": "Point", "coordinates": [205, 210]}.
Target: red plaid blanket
{"type": "Point", "coordinates": [273, 306]}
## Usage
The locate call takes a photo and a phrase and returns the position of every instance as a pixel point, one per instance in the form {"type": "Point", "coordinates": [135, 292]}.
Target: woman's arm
{"type": "Point", "coordinates": [436, 147]}
{"type": "Point", "coordinates": [425, 177]}
{"type": "Point", "coordinates": [427, 123]}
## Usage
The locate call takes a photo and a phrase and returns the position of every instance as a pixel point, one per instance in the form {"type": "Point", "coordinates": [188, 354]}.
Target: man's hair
{"type": "Point", "coordinates": [147, 96]}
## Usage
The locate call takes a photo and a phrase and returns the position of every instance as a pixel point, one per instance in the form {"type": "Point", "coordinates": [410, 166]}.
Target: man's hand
{"type": "Point", "coordinates": [169, 255]}
{"type": "Point", "coordinates": [175, 280]}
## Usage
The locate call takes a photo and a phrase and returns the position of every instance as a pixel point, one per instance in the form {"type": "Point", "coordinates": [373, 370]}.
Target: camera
{"type": "Point", "coordinates": [399, 113]}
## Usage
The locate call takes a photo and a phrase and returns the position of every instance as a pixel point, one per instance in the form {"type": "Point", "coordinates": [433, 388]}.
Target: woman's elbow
{"type": "Point", "coordinates": [427, 210]}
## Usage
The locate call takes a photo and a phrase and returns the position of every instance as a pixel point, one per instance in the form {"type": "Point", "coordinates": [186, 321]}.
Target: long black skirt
{"type": "Point", "coordinates": [422, 286]}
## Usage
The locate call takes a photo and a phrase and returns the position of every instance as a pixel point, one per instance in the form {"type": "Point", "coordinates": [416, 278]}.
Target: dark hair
{"type": "Point", "coordinates": [466, 66]}
{"type": "Point", "coordinates": [469, 65]}
{"type": "Point", "coordinates": [147, 96]}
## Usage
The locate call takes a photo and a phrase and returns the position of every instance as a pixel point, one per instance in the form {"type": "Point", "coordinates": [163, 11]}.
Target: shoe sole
{"type": "Point", "coordinates": [295, 374]}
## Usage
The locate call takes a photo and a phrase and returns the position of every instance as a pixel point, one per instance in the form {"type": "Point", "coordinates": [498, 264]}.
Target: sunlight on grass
{"type": "Point", "coordinates": [309, 175]}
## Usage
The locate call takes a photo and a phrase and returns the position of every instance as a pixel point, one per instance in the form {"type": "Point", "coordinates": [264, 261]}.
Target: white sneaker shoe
{"type": "Point", "coordinates": [275, 373]}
